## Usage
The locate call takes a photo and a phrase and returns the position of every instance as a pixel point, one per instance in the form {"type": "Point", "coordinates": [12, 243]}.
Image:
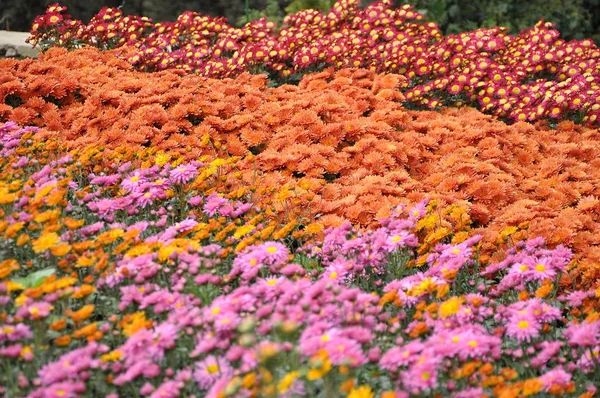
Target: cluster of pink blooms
{"type": "Point", "coordinates": [534, 75]}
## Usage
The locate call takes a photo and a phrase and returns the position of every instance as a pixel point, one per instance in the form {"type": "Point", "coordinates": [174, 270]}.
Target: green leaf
{"type": "Point", "coordinates": [35, 279]}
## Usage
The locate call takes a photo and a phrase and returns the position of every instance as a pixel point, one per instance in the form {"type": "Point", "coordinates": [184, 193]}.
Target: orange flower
{"type": "Point", "coordinates": [73, 224]}
{"type": "Point", "coordinates": [82, 314]}
{"type": "Point", "coordinates": [61, 249]}
{"type": "Point", "coordinates": [58, 325]}
{"type": "Point", "coordinates": [86, 331]}
{"type": "Point", "coordinates": [22, 240]}
{"type": "Point", "coordinates": [63, 340]}
{"type": "Point", "coordinates": [83, 291]}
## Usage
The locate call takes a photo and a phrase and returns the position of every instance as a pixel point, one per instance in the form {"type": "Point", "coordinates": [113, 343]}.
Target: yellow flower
{"type": "Point", "coordinates": [27, 353]}
{"type": "Point", "coordinates": [286, 381]}
{"type": "Point", "coordinates": [112, 356]}
{"type": "Point", "coordinates": [134, 322]}
{"type": "Point", "coordinates": [138, 250]}
{"type": "Point", "coordinates": [6, 198]}
{"type": "Point", "coordinates": [162, 158]}
{"type": "Point", "coordinates": [45, 242]}
{"type": "Point", "coordinates": [450, 307]}
{"type": "Point", "coordinates": [321, 366]}
{"type": "Point", "coordinates": [242, 231]}
{"type": "Point", "coordinates": [108, 237]}
{"type": "Point", "coordinates": [165, 252]}
{"type": "Point", "coordinates": [44, 191]}
{"type": "Point", "coordinates": [361, 392]}
{"type": "Point", "coordinates": [314, 228]}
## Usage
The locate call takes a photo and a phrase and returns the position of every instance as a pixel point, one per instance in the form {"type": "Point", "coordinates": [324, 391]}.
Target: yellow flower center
{"type": "Point", "coordinates": [523, 325]}
{"type": "Point", "coordinates": [212, 369]}
{"type": "Point", "coordinates": [272, 249]}
{"type": "Point", "coordinates": [333, 275]}
{"type": "Point", "coordinates": [540, 268]}
{"type": "Point", "coordinates": [426, 376]}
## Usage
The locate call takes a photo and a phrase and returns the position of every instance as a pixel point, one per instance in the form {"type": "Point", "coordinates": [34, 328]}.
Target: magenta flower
{"type": "Point", "coordinates": [213, 203]}
{"type": "Point", "coordinates": [71, 364]}
{"type": "Point", "coordinates": [15, 332]}
{"type": "Point", "coordinates": [69, 389]}
{"type": "Point", "coordinates": [583, 334]}
{"type": "Point", "coordinates": [35, 311]}
{"type": "Point", "coordinates": [133, 182]}
{"type": "Point", "coordinates": [523, 328]}
{"type": "Point", "coordinates": [555, 377]}
{"type": "Point", "coordinates": [183, 174]}
{"type": "Point", "coordinates": [211, 369]}
{"type": "Point", "coordinates": [422, 375]}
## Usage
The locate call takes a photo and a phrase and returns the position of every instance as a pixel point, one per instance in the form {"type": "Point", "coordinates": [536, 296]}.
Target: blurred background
{"type": "Point", "coordinates": [575, 19]}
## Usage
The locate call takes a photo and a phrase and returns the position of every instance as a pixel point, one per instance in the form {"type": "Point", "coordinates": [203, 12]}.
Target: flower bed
{"type": "Point", "coordinates": [228, 235]}
{"type": "Point", "coordinates": [123, 275]}
{"type": "Point", "coordinates": [532, 76]}
{"type": "Point", "coordinates": [340, 137]}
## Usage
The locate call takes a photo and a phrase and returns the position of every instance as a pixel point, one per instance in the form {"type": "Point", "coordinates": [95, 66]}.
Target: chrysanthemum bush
{"type": "Point", "coordinates": [127, 275]}
{"type": "Point", "coordinates": [531, 76]}
{"type": "Point", "coordinates": [339, 146]}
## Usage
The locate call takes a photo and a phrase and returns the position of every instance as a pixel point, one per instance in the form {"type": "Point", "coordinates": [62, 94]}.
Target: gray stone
{"type": "Point", "coordinates": [12, 44]}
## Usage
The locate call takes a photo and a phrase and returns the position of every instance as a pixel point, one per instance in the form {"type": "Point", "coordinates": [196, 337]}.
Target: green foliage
{"type": "Point", "coordinates": [273, 12]}
{"type": "Point", "coordinates": [297, 5]}
{"type": "Point", "coordinates": [575, 19]}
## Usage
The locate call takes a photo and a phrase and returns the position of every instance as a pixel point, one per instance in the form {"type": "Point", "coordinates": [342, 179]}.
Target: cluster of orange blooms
{"type": "Point", "coordinates": [339, 144]}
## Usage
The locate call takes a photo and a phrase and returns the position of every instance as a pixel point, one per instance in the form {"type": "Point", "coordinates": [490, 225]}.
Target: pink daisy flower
{"type": "Point", "coordinates": [133, 182]}
{"type": "Point", "coordinates": [523, 328]}
{"type": "Point", "coordinates": [183, 174]}
{"type": "Point", "coordinates": [555, 377]}
{"type": "Point", "coordinates": [583, 334]}
{"type": "Point", "coordinates": [211, 369]}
